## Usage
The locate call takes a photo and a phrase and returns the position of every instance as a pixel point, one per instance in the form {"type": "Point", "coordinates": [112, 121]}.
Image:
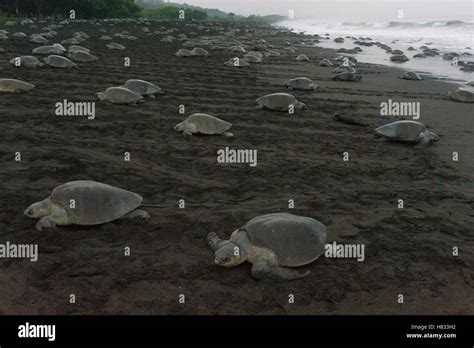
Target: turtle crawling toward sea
{"type": "Point", "coordinates": [144, 88]}
{"type": "Point", "coordinates": [119, 95]}
{"type": "Point", "coordinates": [272, 242]}
{"type": "Point", "coordinates": [15, 86]}
{"type": "Point", "coordinates": [347, 76]}
{"type": "Point", "coordinates": [461, 95]}
{"type": "Point", "coordinates": [279, 102]}
{"type": "Point", "coordinates": [407, 131]}
{"type": "Point", "coordinates": [301, 83]}
{"type": "Point", "coordinates": [203, 124]}
{"type": "Point", "coordinates": [56, 61]}
{"type": "Point", "coordinates": [85, 202]}
{"type": "Point", "coordinates": [411, 75]}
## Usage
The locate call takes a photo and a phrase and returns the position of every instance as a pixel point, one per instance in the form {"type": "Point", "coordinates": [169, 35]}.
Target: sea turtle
{"type": "Point", "coordinates": [279, 102]}
{"type": "Point", "coordinates": [302, 58]}
{"type": "Point", "coordinates": [203, 124]}
{"type": "Point", "coordinates": [411, 75]}
{"type": "Point", "coordinates": [184, 53]}
{"type": "Point", "coordinates": [26, 61]}
{"type": "Point", "coordinates": [326, 62]}
{"type": "Point", "coordinates": [399, 58]}
{"type": "Point", "coordinates": [250, 58]}
{"type": "Point", "coordinates": [271, 243]}
{"type": "Point", "coordinates": [82, 57]}
{"type": "Point", "coordinates": [115, 46]}
{"type": "Point", "coordinates": [461, 95]}
{"type": "Point", "coordinates": [236, 62]}
{"type": "Point", "coordinates": [407, 131]}
{"type": "Point", "coordinates": [85, 203]}
{"type": "Point", "coordinates": [197, 51]}
{"type": "Point", "coordinates": [347, 76]}
{"type": "Point", "coordinates": [59, 62]}
{"type": "Point", "coordinates": [301, 83]}
{"type": "Point", "coordinates": [343, 69]}
{"type": "Point", "coordinates": [12, 85]}
{"type": "Point", "coordinates": [39, 39]}
{"type": "Point", "coordinates": [143, 88]}
{"type": "Point", "coordinates": [78, 48]}
{"type": "Point", "coordinates": [119, 95]}
{"type": "Point", "coordinates": [47, 50]}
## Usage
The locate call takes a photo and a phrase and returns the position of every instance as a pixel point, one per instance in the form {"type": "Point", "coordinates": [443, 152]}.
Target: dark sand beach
{"type": "Point", "coordinates": [407, 251]}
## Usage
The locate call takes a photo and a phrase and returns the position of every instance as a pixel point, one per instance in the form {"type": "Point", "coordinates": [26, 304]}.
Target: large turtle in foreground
{"type": "Point", "coordinates": [12, 85]}
{"type": "Point", "coordinates": [272, 242]}
{"type": "Point", "coordinates": [407, 131]}
{"type": "Point", "coordinates": [203, 124]}
{"type": "Point", "coordinates": [85, 203]}
{"type": "Point", "coordinates": [119, 95]}
{"type": "Point", "coordinates": [279, 102]}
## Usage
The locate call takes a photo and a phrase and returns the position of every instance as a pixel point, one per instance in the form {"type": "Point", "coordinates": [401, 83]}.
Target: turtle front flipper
{"type": "Point", "coordinates": [263, 270]}
{"type": "Point", "coordinates": [58, 218]}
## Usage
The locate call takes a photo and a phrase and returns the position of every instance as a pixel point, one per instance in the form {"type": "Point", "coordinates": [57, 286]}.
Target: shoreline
{"type": "Point", "coordinates": [299, 158]}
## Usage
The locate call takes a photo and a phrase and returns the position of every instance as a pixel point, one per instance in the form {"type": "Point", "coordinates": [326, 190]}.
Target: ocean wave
{"type": "Point", "coordinates": [411, 25]}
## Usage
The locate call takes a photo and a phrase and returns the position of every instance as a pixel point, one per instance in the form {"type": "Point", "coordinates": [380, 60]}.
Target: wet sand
{"type": "Point", "coordinates": [408, 251]}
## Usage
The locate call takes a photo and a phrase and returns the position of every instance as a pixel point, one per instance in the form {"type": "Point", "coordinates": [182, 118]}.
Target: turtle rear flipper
{"type": "Point", "coordinates": [261, 270]}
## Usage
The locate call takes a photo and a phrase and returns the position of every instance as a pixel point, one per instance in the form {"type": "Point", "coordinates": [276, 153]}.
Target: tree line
{"type": "Point", "coordinates": [84, 9]}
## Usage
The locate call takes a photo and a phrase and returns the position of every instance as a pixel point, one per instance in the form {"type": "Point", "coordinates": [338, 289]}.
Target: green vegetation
{"type": "Point", "coordinates": [173, 13]}
{"type": "Point", "coordinates": [84, 9]}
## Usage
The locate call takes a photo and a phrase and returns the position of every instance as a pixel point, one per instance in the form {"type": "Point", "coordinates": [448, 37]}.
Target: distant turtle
{"type": "Point", "coordinates": [119, 95]}
{"type": "Point", "coordinates": [203, 124]}
{"type": "Point", "coordinates": [343, 69]}
{"type": "Point", "coordinates": [347, 76]}
{"type": "Point", "coordinates": [279, 102]}
{"type": "Point", "coordinates": [105, 37]}
{"type": "Point", "coordinates": [239, 49]}
{"type": "Point", "coordinates": [197, 51]}
{"type": "Point", "coordinates": [250, 58]}
{"type": "Point", "coordinates": [82, 57]}
{"type": "Point", "coordinates": [326, 62]}
{"type": "Point", "coordinates": [407, 131]}
{"type": "Point", "coordinates": [115, 46]}
{"type": "Point", "coordinates": [302, 58]}
{"type": "Point", "coordinates": [399, 58]}
{"type": "Point", "coordinates": [59, 62]}
{"type": "Point", "coordinates": [301, 83]}
{"type": "Point", "coordinates": [461, 95]}
{"type": "Point", "coordinates": [39, 39]}
{"type": "Point", "coordinates": [236, 62]}
{"type": "Point", "coordinates": [143, 88]}
{"type": "Point", "coordinates": [13, 86]}
{"type": "Point", "coordinates": [184, 53]}
{"type": "Point", "coordinates": [85, 203]}
{"type": "Point", "coordinates": [411, 75]}
{"type": "Point", "coordinates": [78, 49]}
{"type": "Point", "coordinates": [26, 62]}
{"type": "Point", "coordinates": [271, 243]}
{"type": "Point", "coordinates": [47, 50]}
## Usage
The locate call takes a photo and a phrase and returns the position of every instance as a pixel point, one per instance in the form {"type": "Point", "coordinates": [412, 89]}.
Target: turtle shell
{"type": "Point", "coordinates": [302, 83]}
{"type": "Point", "coordinates": [59, 62]}
{"type": "Point", "coordinates": [277, 101]}
{"type": "Point", "coordinates": [406, 130]}
{"type": "Point", "coordinates": [207, 124]}
{"type": "Point", "coordinates": [121, 95]}
{"type": "Point", "coordinates": [142, 87]}
{"type": "Point", "coordinates": [95, 203]}
{"type": "Point", "coordinates": [295, 240]}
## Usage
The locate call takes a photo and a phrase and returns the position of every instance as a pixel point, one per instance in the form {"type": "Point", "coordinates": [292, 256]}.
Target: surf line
{"type": "Point", "coordinates": [23, 251]}
{"type": "Point", "coordinates": [67, 108]}
{"type": "Point", "coordinates": [239, 156]}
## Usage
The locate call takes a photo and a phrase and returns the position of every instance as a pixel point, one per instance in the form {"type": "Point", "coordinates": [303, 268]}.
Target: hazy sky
{"type": "Point", "coordinates": [346, 9]}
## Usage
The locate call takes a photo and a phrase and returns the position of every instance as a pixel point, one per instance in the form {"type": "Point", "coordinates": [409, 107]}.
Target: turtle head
{"type": "Point", "coordinates": [230, 254]}
{"type": "Point", "coordinates": [179, 127]}
{"type": "Point", "coordinates": [433, 136]}
{"type": "Point", "coordinates": [100, 95]}
{"type": "Point", "coordinates": [38, 209]}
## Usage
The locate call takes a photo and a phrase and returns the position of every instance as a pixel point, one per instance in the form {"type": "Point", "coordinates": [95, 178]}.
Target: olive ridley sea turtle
{"type": "Point", "coordinates": [301, 83]}
{"type": "Point", "coordinates": [203, 124]}
{"type": "Point", "coordinates": [119, 95]}
{"type": "Point", "coordinates": [12, 85]}
{"type": "Point", "coordinates": [271, 243]}
{"type": "Point", "coordinates": [85, 203]}
{"type": "Point", "coordinates": [59, 62]}
{"type": "Point", "coordinates": [144, 88]}
{"type": "Point", "coordinates": [407, 131]}
{"type": "Point", "coordinates": [461, 95]}
{"type": "Point", "coordinates": [279, 102]}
